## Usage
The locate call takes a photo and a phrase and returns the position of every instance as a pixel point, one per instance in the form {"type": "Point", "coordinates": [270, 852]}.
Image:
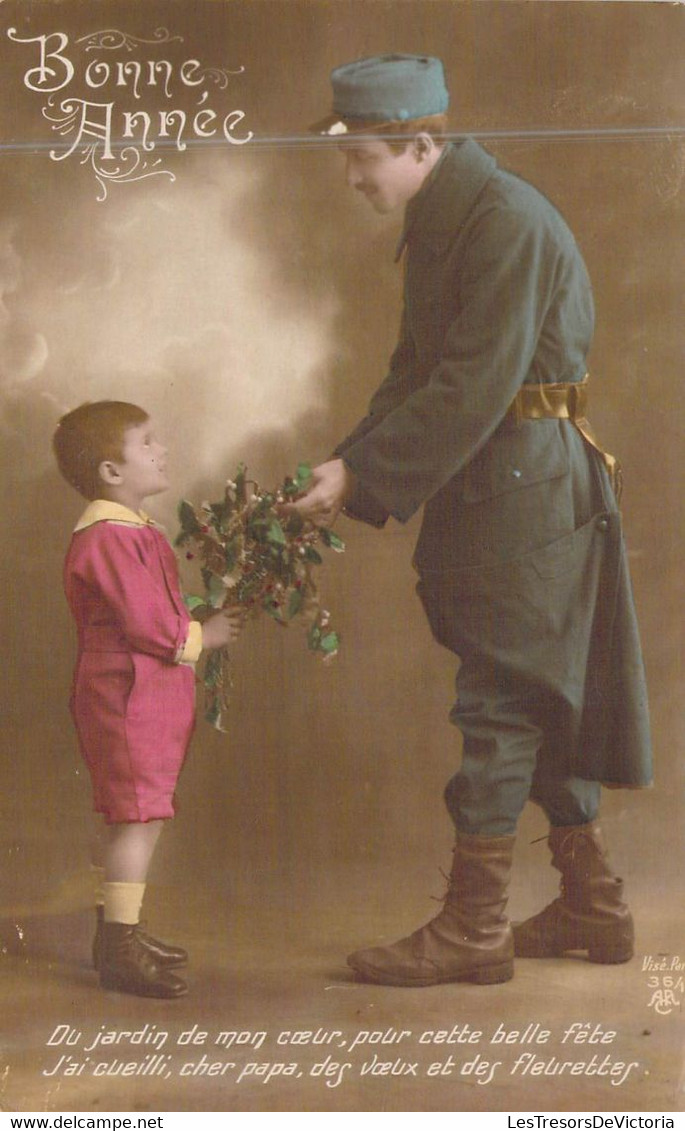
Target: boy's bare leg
{"type": "Point", "coordinates": [131, 961]}
{"type": "Point", "coordinates": [129, 851]}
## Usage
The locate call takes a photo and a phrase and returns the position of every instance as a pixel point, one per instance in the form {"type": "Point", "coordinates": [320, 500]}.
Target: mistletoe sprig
{"type": "Point", "coordinates": [254, 556]}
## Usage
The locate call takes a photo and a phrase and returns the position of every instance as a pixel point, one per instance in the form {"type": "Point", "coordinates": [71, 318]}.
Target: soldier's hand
{"type": "Point", "coordinates": [332, 483]}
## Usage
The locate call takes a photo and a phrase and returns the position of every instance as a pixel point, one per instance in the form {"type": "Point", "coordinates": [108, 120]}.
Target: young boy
{"type": "Point", "coordinates": [133, 692]}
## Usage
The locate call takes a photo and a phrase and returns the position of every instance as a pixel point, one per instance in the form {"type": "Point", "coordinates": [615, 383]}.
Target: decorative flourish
{"type": "Point", "coordinates": [111, 39]}
{"type": "Point", "coordinates": [219, 75]}
{"type": "Point", "coordinates": [107, 133]}
{"type": "Point", "coordinates": [130, 165]}
{"type": "Point", "coordinates": [64, 124]}
{"type": "Point", "coordinates": [255, 556]}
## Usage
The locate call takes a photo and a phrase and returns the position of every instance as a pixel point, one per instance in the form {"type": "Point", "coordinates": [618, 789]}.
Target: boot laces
{"type": "Point", "coordinates": [571, 846]}
{"type": "Point", "coordinates": [574, 842]}
{"type": "Point", "coordinates": [448, 887]}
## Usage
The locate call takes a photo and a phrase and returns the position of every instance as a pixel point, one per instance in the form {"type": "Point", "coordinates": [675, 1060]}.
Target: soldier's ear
{"type": "Point", "coordinates": [423, 146]}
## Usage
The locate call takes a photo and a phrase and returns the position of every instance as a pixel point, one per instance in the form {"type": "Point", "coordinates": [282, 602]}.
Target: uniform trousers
{"type": "Point", "coordinates": [520, 629]}
{"type": "Point", "coordinates": [509, 757]}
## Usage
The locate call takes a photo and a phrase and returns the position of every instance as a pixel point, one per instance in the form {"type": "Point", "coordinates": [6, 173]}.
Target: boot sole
{"type": "Point", "coordinates": [163, 963]}
{"type": "Point", "coordinates": [610, 957]}
{"type": "Point", "coordinates": [122, 986]}
{"type": "Point", "coordinates": [613, 957]}
{"type": "Point", "coordinates": [480, 975]}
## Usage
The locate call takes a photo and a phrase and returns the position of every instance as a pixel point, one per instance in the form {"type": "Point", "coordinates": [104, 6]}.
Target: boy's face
{"type": "Point", "coordinates": [386, 178]}
{"type": "Point", "coordinates": [143, 464]}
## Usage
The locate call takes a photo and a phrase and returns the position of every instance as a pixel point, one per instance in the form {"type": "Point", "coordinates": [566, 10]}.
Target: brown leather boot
{"type": "Point", "coordinates": [590, 913]}
{"type": "Point", "coordinates": [470, 940]}
{"type": "Point", "coordinates": [126, 965]}
{"type": "Point", "coordinates": [163, 954]}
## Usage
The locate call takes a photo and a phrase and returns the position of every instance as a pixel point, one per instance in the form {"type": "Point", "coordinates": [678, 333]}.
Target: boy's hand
{"type": "Point", "coordinates": [222, 628]}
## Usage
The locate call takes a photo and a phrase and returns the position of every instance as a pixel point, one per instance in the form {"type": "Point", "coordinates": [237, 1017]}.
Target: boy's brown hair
{"type": "Point", "coordinates": [90, 434]}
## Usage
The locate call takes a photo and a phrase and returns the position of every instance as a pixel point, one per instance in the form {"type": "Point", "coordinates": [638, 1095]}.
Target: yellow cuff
{"type": "Point", "coordinates": [193, 645]}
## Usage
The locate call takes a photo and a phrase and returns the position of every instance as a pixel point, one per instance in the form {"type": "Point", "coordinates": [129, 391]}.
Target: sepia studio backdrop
{"type": "Point", "coordinates": [251, 305]}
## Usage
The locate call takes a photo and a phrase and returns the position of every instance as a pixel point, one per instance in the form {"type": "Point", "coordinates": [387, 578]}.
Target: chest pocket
{"type": "Point", "coordinates": [516, 458]}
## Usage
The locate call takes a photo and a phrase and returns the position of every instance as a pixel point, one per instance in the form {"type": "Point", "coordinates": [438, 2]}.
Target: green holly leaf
{"type": "Point", "coordinates": [312, 555]}
{"type": "Point", "coordinates": [274, 611]}
{"type": "Point", "coordinates": [193, 602]}
{"type": "Point", "coordinates": [294, 523]}
{"type": "Point", "coordinates": [295, 602]}
{"type": "Point", "coordinates": [213, 715]}
{"type": "Point", "coordinates": [213, 670]}
{"type": "Point", "coordinates": [218, 512]}
{"type": "Point", "coordinates": [332, 540]}
{"type": "Point", "coordinates": [275, 534]}
{"type": "Point", "coordinates": [257, 526]}
{"type": "Point", "coordinates": [302, 475]}
{"type": "Point", "coordinates": [230, 556]}
{"type": "Point", "coordinates": [216, 592]}
{"type": "Point", "coordinates": [329, 643]}
{"type": "Point", "coordinates": [240, 485]}
{"type": "Point", "coordinates": [187, 518]}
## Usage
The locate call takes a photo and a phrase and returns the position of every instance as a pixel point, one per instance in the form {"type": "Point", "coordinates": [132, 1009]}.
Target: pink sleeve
{"type": "Point", "coordinates": [124, 567]}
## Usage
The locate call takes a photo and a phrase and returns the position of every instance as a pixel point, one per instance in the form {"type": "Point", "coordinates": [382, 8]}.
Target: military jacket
{"type": "Point", "coordinates": [520, 527]}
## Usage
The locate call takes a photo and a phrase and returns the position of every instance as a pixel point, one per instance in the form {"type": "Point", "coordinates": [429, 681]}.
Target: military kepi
{"type": "Point", "coordinates": [384, 89]}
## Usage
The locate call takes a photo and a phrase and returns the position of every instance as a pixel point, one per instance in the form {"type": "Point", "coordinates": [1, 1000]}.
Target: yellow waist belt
{"type": "Point", "coordinates": [566, 400]}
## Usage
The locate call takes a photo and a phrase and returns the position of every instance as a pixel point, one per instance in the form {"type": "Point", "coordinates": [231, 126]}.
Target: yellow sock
{"type": "Point", "coordinates": [123, 902]}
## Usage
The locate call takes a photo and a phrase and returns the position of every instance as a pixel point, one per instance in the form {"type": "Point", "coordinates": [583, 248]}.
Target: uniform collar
{"type": "Point", "coordinates": [102, 510]}
{"type": "Point", "coordinates": [449, 193]}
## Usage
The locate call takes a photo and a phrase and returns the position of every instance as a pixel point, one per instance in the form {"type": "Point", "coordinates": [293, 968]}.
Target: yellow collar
{"type": "Point", "coordinates": [102, 510]}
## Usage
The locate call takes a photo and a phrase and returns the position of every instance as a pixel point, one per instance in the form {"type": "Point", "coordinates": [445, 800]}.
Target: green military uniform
{"type": "Point", "coordinates": [522, 568]}
{"type": "Point", "coordinates": [521, 562]}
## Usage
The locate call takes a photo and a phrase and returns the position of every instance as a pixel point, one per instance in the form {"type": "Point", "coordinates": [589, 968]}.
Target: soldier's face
{"type": "Point", "coordinates": [386, 177]}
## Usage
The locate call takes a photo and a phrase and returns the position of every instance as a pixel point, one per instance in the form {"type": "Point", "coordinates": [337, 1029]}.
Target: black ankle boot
{"type": "Point", "coordinates": [127, 965]}
{"type": "Point", "coordinates": [164, 955]}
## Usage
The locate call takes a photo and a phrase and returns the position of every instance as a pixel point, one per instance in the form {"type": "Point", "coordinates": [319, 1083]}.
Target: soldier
{"type": "Point", "coordinates": [521, 563]}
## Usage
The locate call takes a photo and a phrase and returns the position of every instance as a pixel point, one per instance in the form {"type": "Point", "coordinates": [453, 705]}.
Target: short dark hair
{"type": "Point", "coordinates": [89, 434]}
{"type": "Point", "coordinates": [398, 135]}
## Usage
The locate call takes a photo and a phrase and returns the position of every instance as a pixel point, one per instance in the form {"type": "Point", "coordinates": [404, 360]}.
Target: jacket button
{"type": "Point", "coordinates": [603, 524]}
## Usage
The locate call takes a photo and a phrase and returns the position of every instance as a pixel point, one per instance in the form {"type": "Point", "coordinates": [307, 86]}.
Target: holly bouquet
{"type": "Point", "coordinates": [255, 556]}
